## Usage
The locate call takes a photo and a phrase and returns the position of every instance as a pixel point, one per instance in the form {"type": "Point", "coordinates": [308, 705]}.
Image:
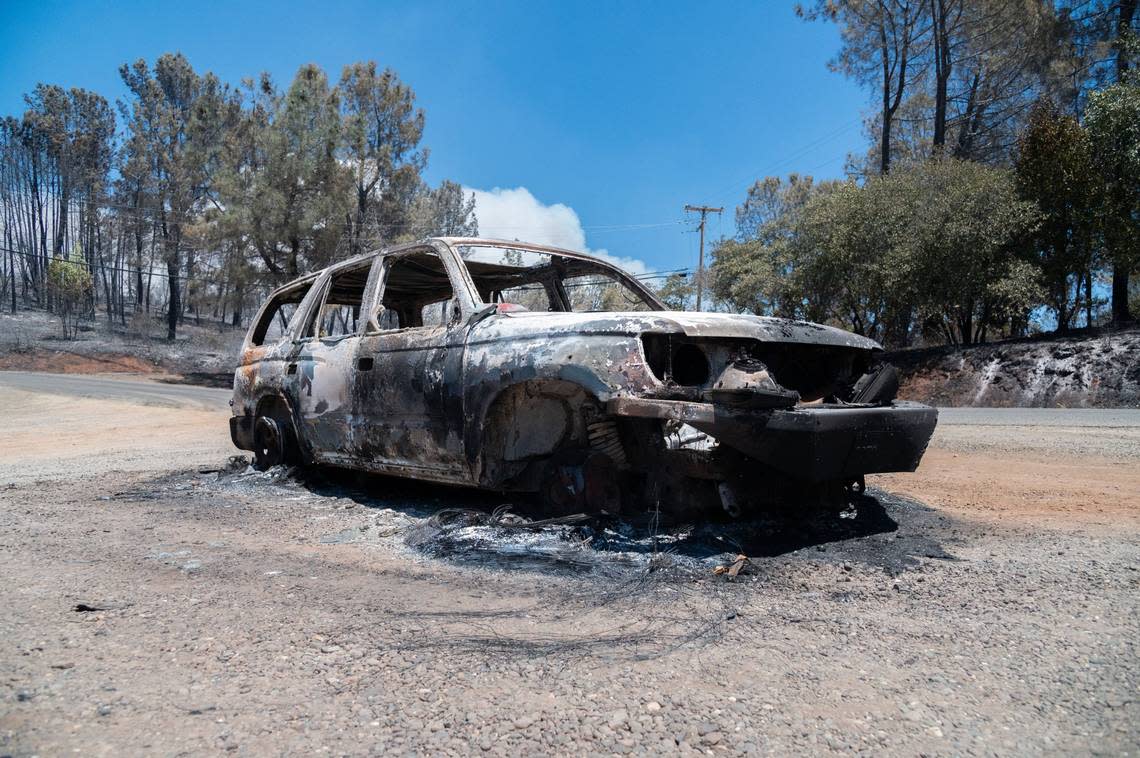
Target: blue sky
{"type": "Point", "coordinates": [596, 121]}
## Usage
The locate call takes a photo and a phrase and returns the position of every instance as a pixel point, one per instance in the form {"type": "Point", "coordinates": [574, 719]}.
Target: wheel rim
{"type": "Point", "coordinates": [269, 449]}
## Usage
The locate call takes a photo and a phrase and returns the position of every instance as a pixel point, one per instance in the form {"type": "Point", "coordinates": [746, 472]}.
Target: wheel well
{"type": "Point", "coordinates": [275, 407]}
{"type": "Point", "coordinates": [528, 422]}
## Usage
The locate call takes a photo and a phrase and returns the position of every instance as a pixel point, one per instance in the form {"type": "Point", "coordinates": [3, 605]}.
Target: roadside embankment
{"type": "Point", "coordinates": [1087, 371]}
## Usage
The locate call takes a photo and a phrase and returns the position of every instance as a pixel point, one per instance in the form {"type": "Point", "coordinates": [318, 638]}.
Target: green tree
{"type": "Point", "coordinates": [676, 292]}
{"type": "Point", "coordinates": [382, 128]}
{"type": "Point", "coordinates": [752, 272]}
{"type": "Point", "coordinates": [173, 141]}
{"type": "Point", "coordinates": [965, 223]}
{"type": "Point", "coordinates": [1113, 121]}
{"type": "Point", "coordinates": [444, 211]}
{"type": "Point", "coordinates": [929, 245]}
{"type": "Point", "coordinates": [285, 191]}
{"type": "Point", "coordinates": [846, 262]}
{"type": "Point", "coordinates": [1055, 170]}
{"type": "Point", "coordinates": [746, 275]}
{"type": "Point", "coordinates": [71, 284]}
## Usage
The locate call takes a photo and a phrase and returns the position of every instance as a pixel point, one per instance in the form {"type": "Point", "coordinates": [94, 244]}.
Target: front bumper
{"type": "Point", "coordinates": [812, 443]}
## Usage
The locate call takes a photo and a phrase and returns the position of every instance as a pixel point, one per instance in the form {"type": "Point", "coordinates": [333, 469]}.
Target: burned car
{"type": "Point", "coordinates": [527, 368]}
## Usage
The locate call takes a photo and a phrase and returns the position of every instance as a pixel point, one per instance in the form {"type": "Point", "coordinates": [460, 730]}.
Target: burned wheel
{"type": "Point", "coordinates": [270, 443]}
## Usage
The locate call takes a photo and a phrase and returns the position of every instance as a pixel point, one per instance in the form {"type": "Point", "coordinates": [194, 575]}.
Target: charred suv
{"type": "Point", "coordinates": [519, 367]}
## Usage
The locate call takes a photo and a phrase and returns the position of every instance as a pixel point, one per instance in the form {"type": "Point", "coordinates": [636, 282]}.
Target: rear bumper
{"type": "Point", "coordinates": [241, 432]}
{"type": "Point", "coordinates": [811, 443]}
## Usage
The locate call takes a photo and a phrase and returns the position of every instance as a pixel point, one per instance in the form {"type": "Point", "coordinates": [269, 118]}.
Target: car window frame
{"type": "Point", "coordinates": [310, 283]}
{"type": "Point", "coordinates": [616, 272]}
{"type": "Point", "coordinates": [323, 284]}
{"type": "Point", "coordinates": [456, 275]}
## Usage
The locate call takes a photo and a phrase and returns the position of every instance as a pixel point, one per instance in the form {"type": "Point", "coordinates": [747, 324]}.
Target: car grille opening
{"type": "Point", "coordinates": [675, 360]}
{"type": "Point", "coordinates": [690, 366]}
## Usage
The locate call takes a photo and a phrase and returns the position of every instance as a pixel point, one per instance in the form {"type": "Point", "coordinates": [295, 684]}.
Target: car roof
{"type": "Point", "coordinates": [452, 242]}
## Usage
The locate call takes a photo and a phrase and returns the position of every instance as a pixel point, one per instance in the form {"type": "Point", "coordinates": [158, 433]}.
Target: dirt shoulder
{"type": "Point", "coordinates": [1052, 475]}
{"type": "Point", "coordinates": [69, 362]}
{"type": "Point", "coordinates": [1028, 490]}
{"type": "Point", "coordinates": [156, 605]}
{"type": "Point", "coordinates": [203, 354]}
{"type": "Point", "coordinates": [53, 437]}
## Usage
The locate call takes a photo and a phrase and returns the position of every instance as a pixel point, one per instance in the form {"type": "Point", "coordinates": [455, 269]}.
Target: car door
{"type": "Point", "coordinates": [408, 402]}
{"type": "Point", "coordinates": [322, 363]}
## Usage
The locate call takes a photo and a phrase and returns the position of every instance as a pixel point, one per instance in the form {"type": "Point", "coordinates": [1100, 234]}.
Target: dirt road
{"type": "Point", "coordinates": [154, 604]}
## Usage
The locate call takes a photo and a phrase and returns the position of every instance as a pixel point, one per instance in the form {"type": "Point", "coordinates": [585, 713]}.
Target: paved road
{"type": "Point", "coordinates": [1071, 417]}
{"type": "Point", "coordinates": [150, 392]}
{"type": "Point", "coordinates": [136, 390]}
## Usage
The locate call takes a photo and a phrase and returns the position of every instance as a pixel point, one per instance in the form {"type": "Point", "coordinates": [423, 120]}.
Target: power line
{"type": "Point", "coordinates": [791, 157]}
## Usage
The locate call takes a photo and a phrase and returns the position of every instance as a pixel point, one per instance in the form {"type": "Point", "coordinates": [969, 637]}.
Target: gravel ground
{"type": "Point", "coordinates": [182, 609]}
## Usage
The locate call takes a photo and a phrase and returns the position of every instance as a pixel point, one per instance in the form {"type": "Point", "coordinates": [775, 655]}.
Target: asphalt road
{"type": "Point", "coordinates": [1069, 417]}
{"type": "Point", "coordinates": [135, 390]}
{"type": "Point", "coordinates": [149, 392]}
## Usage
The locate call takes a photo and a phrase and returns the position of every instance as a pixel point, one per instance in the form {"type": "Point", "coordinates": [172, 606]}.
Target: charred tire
{"type": "Point", "coordinates": [274, 443]}
{"type": "Point", "coordinates": [269, 443]}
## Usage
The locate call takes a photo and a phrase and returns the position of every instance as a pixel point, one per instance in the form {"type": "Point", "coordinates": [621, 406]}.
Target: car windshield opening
{"type": "Point", "coordinates": [542, 281]}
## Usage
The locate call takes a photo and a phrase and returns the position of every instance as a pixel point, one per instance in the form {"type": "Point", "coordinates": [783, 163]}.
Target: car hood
{"type": "Point", "coordinates": [763, 328]}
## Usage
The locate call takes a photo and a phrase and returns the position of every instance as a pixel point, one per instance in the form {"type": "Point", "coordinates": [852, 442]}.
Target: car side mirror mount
{"type": "Point", "coordinates": [482, 313]}
{"type": "Point", "coordinates": [373, 325]}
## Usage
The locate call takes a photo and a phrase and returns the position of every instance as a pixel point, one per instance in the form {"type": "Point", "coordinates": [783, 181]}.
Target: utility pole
{"type": "Point", "coordinates": [704, 210]}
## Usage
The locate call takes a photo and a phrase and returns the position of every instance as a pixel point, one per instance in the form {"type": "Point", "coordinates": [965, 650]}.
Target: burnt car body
{"type": "Point", "coordinates": [519, 367]}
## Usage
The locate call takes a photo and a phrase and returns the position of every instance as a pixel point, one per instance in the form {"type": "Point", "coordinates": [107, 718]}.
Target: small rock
{"type": "Point", "coordinates": [104, 710]}
{"type": "Point", "coordinates": [653, 706]}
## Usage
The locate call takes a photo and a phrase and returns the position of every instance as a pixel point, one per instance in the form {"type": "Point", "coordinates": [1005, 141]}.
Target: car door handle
{"type": "Point", "coordinates": [292, 368]}
{"type": "Point", "coordinates": [364, 364]}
